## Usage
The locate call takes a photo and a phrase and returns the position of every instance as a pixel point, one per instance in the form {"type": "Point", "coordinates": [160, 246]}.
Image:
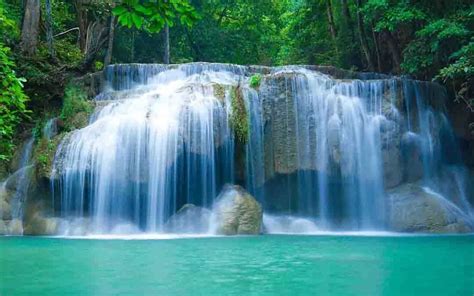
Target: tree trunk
{"type": "Point", "coordinates": [166, 56]}
{"type": "Point", "coordinates": [196, 50]}
{"type": "Point", "coordinates": [332, 26]}
{"type": "Point", "coordinates": [363, 40]}
{"type": "Point", "coordinates": [393, 48]}
{"type": "Point", "coordinates": [30, 27]}
{"type": "Point", "coordinates": [347, 18]}
{"type": "Point", "coordinates": [96, 38]}
{"type": "Point", "coordinates": [110, 46]}
{"type": "Point", "coordinates": [81, 16]}
{"type": "Point", "coordinates": [49, 30]}
{"type": "Point", "coordinates": [377, 49]}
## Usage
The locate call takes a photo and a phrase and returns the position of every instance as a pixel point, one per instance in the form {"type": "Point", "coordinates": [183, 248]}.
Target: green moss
{"type": "Point", "coordinates": [76, 108]}
{"type": "Point", "coordinates": [239, 120]}
{"type": "Point", "coordinates": [219, 92]}
{"type": "Point", "coordinates": [255, 80]}
{"type": "Point", "coordinates": [44, 155]}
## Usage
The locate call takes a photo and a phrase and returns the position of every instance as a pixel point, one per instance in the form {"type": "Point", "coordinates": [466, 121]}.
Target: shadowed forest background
{"type": "Point", "coordinates": [46, 44]}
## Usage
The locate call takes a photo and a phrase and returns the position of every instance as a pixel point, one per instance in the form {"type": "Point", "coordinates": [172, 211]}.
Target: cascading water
{"type": "Point", "coordinates": [164, 144]}
{"type": "Point", "coordinates": [319, 148]}
{"type": "Point", "coordinates": [50, 129]}
{"type": "Point", "coordinates": [12, 205]}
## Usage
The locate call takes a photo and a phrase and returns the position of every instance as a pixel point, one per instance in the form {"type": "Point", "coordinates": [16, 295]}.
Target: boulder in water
{"type": "Point", "coordinates": [15, 227]}
{"type": "Point", "coordinates": [3, 228]}
{"type": "Point", "coordinates": [237, 212]}
{"type": "Point", "coordinates": [40, 225]}
{"type": "Point", "coordinates": [189, 219]}
{"type": "Point", "coordinates": [417, 209]}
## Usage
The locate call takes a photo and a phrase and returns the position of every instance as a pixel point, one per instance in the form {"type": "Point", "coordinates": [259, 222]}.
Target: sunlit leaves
{"type": "Point", "coordinates": [462, 66]}
{"type": "Point", "coordinates": [153, 16]}
{"type": "Point", "coordinates": [12, 102]}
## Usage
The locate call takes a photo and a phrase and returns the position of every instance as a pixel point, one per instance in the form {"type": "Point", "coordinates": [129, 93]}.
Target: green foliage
{"type": "Point", "coordinates": [435, 44]}
{"type": "Point", "coordinates": [76, 108]}
{"type": "Point", "coordinates": [12, 103]}
{"type": "Point", "coordinates": [44, 153]}
{"type": "Point", "coordinates": [239, 120]}
{"type": "Point", "coordinates": [38, 129]}
{"type": "Point", "coordinates": [390, 15]}
{"type": "Point", "coordinates": [154, 15]}
{"type": "Point", "coordinates": [463, 65]}
{"type": "Point", "coordinates": [8, 26]}
{"type": "Point", "coordinates": [66, 52]}
{"type": "Point", "coordinates": [219, 91]}
{"type": "Point", "coordinates": [98, 65]}
{"type": "Point", "coordinates": [255, 80]}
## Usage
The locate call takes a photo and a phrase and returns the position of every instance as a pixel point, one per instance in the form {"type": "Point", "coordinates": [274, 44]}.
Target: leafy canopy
{"type": "Point", "coordinates": [154, 15]}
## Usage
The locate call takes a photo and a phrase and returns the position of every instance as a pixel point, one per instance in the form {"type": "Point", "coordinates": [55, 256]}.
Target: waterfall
{"type": "Point", "coordinates": [325, 123]}
{"type": "Point", "coordinates": [321, 149]}
{"type": "Point", "coordinates": [164, 144]}
{"type": "Point", "coordinates": [22, 181]}
{"type": "Point", "coordinates": [50, 129]}
{"type": "Point", "coordinates": [14, 192]}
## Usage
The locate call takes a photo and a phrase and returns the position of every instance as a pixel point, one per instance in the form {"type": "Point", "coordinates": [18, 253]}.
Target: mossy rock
{"type": "Point", "coordinates": [76, 108]}
{"type": "Point", "coordinates": [255, 80]}
{"type": "Point", "coordinates": [239, 120]}
{"type": "Point", "coordinates": [78, 121]}
{"type": "Point", "coordinates": [415, 209]}
{"type": "Point", "coordinates": [44, 155]}
{"type": "Point", "coordinates": [39, 225]}
{"type": "Point", "coordinates": [237, 212]}
{"type": "Point", "coordinates": [219, 92]}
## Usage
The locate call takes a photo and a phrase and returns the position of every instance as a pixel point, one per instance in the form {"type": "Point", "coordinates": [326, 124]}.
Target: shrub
{"type": "Point", "coordinates": [12, 103]}
{"type": "Point", "coordinates": [75, 107]}
{"type": "Point", "coordinates": [255, 80]}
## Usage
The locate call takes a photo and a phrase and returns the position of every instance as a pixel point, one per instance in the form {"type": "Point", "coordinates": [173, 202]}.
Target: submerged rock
{"type": "Point", "coordinates": [189, 219]}
{"type": "Point", "coordinates": [237, 212]}
{"type": "Point", "coordinates": [416, 209]}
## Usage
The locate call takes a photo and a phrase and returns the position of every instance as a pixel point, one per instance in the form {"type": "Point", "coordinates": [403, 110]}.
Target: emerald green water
{"type": "Point", "coordinates": [262, 265]}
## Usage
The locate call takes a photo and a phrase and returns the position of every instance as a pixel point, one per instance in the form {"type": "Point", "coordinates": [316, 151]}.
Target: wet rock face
{"type": "Point", "coordinates": [39, 225]}
{"type": "Point", "coordinates": [414, 209]}
{"type": "Point", "coordinates": [295, 127]}
{"type": "Point", "coordinates": [189, 219]}
{"type": "Point", "coordinates": [237, 212]}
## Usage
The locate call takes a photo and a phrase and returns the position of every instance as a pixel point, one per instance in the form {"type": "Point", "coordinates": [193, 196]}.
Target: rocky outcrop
{"type": "Point", "coordinates": [39, 225]}
{"type": "Point", "coordinates": [11, 227]}
{"type": "Point", "coordinates": [416, 209]}
{"type": "Point", "coordinates": [189, 219]}
{"type": "Point", "coordinates": [237, 212]}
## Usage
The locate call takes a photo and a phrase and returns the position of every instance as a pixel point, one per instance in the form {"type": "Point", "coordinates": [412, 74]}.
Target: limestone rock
{"type": "Point", "coordinates": [39, 225]}
{"type": "Point", "coordinates": [415, 209]}
{"type": "Point", "coordinates": [189, 219]}
{"type": "Point", "coordinates": [412, 156]}
{"type": "Point", "coordinates": [237, 212]}
{"type": "Point", "coordinates": [3, 228]}
{"type": "Point", "coordinates": [15, 227]}
{"type": "Point", "coordinates": [5, 210]}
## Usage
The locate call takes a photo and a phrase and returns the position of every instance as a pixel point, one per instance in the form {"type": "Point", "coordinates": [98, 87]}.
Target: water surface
{"type": "Point", "coordinates": [262, 265]}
